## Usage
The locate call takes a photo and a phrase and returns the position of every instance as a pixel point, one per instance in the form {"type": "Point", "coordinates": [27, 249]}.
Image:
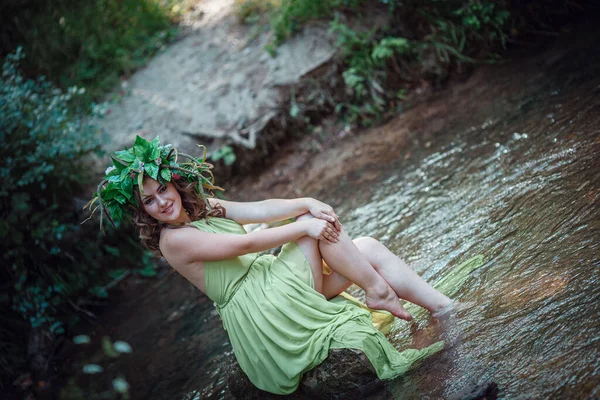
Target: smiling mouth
{"type": "Point", "coordinates": [168, 209]}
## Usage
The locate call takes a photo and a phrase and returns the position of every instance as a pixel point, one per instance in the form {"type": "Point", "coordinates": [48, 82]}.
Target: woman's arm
{"type": "Point", "coordinates": [186, 245]}
{"type": "Point", "coordinates": [272, 210]}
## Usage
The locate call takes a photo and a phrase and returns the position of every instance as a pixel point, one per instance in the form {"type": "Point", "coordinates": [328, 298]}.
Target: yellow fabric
{"type": "Point", "coordinates": [280, 327]}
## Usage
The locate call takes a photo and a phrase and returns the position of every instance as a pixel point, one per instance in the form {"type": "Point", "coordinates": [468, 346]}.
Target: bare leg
{"type": "Point", "coordinates": [334, 284]}
{"type": "Point", "coordinates": [346, 259]}
{"type": "Point", "coordinates": [349, 265]}
{"type": "Point", "coordinates": [403, 280]}
{"type": "Point", "coordinates": [329, 285]}
{"type": "Point", "coordinates": [310, 249]}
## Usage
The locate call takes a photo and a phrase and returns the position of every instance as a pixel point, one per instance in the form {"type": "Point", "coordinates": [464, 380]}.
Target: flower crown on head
{"type": "Point", "coordinates": [115, 196]}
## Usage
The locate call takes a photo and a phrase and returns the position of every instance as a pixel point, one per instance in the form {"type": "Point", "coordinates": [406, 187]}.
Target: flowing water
{"type": "Point", "coordinates": [524, 191]}
{"type": "Point", "coordinates": [518, 184]}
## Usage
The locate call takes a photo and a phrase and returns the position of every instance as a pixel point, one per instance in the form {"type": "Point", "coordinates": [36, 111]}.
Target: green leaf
{"type": "Point", "coordinates": [152, 169]}
{"type": "Point", "coordinates": [92, 369]}
{"type": "Point", "coordinates": [117, 214]}
{"type": "Point", "coordinates": [140, 147]}
{"type": "Point", "coordinates": [120, 385]}
{"type": "Point", "coordinates": [55, 326]}
{"type": "Point", "coordinates": [147, 271]}
{"type": "Point", "coordinates": [109, 193]}
{"type": "Point", "coordinates": [294, 110]}
{"type": "Point", "coordinates": [127, 187]}
{"type": "Point", "coordinates": [81, 339]}
{"type": "Point", "coordinates": [122, 347]}
{"type": "Point", "coordinates": [125, 172]}
{"type": "Point", "coordinates": [108, 348]}
{"type": "Point", "coordinates": [155, 150]}
{"type": "Point", "coordinates": [116, 273]}
{"type": "Point", "coordinates": [166, 173]}
{"type": "Point", "coordinates": [117, 164]}
{"type": "Point", "coordinates": [135, 166]}
{"type": "Point", "coordinates": [125, 155]}
{"type": "Point", "coordinates": [99, 291]}
{"type": "Point", "coordinates": [113, 251]}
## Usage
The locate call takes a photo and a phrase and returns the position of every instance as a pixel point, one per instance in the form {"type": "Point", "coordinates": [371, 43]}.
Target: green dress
{"type": "Point", "coordinates": [280, 327]}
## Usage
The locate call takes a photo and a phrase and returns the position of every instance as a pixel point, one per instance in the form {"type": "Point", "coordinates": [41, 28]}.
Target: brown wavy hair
{"type": "Point", "coordinates": [149, 228]}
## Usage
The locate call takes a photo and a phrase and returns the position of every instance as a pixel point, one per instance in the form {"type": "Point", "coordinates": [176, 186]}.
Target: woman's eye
{"type": "Point", "coordinates": [163, 189]}
{"type": "Point", "coordinates": [148, 202]}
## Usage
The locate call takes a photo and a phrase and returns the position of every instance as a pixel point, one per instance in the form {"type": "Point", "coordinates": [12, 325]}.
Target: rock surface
{"type": "Point", "coordinates": [346, 373]}
{"type": "Point", "coordinates": [216, 85]}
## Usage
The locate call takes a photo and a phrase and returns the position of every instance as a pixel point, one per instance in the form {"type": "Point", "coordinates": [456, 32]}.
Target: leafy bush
{"type": "Point", "coordinates": [458, 28]}
{"type": "Point", "coordinates": [47, 258]}
{"type": "Point", "coordinates": [454, 31]}
{"type": "Point", "coordinates": [44, 149]}
{"type": "Point", "coordinates": [251, 11]}
{"type": "Point", "coordinates": [290, 16]}
{"type": "Point", "coordinates": [89, 43]}
{"type": "Point", "coordinates": [368, 59]}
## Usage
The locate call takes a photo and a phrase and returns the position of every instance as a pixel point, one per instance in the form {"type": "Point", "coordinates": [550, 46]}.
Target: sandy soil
{"type": "Point", "coordinates": [215, 85]}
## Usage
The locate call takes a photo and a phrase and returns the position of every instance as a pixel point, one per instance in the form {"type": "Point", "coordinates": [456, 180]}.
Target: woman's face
{"type": "Point", "coordinates": [163, 203]}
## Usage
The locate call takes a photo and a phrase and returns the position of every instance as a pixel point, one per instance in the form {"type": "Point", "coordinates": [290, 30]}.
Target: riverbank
{"type": "Point", "coordinates": [177, 339]}
{"type": "Point", "coordinates": [310, 155]}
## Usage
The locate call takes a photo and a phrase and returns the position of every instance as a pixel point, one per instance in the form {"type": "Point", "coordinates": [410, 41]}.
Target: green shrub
{"type": "Point", "coordinates": [367, 59]}
{"type": "Point", "coordinates": [45, 148]}
{"type": "Point", "coordinates": [458, 29]}
{"type": "Point", "coordinates": [454, 31]}
{"type": "Point", "coordinates": [251, 11]}
{"type": "Point", "coordinates": [292, 14]}
{"type": "Point", "coordinates": [87, 43]}
{"type": "Point", "coordinates": [47, 259]}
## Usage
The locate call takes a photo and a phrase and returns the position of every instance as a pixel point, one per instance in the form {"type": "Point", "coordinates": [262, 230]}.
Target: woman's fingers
{"type": "Point", "coordinates": [328, 216]}
{"type": "Point", "coordinates": [329, 234]}
{"type": "Point", "coordinates": [337, 224]}
{"type": "Point", "coordinates": [331, 216]}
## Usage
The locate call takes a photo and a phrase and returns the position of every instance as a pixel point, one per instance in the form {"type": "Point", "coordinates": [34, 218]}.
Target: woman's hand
{"type": "Point", "coordinates": [320, 229]}
{"type": "Point", "coordinates": [323, 211]}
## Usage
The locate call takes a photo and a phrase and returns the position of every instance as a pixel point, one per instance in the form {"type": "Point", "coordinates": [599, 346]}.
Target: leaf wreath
{"type": "Point", "coordinates": [115, 197]}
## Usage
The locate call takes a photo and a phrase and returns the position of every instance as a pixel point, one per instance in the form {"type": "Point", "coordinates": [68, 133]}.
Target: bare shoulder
{"type": "Point", "coordinates": [175, 239]}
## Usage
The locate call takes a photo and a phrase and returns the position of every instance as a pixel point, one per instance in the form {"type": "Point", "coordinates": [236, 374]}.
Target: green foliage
{"type": "Point", "coordinates": [47, 259]}
{"type": "Point", "coordinates": [90, 43]}
{"type": "Point", "coordinates": [252, 11]}
{"type": "Point", "coordinates": [453, 31]}
{"type": "Point", "coordinates": [460, 28]}
{"type": "Point", "coordinates": [115, 196]}
{"type": "Point", "coordinates": [291, 15]}
{"type": "Point", "coordinates": [367, 59]}
{"type": "Point", "coordinates": [225, 153]}
{"type": "Point", "coordinates": [107, 383]}
{"type": "Point", "coordinates": [388, 48]}
{"type": "Point", "coordinates": [44, 147]}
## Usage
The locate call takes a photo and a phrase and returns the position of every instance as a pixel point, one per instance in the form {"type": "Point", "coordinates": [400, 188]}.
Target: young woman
{"type": "Point", "coordinates": [281, 313]}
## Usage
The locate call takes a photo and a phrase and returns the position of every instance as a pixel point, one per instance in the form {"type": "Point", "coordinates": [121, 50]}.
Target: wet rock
{"type": "Point", "coordinates": [482, 391]}
{"type": "Point", "coordinates": [346, 374]}
{"type": "Point", "coordinates": [240, 386]}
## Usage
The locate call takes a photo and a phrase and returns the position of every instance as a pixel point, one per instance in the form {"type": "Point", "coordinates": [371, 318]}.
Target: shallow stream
{"type": "Point", "coordinates": [519, 184]}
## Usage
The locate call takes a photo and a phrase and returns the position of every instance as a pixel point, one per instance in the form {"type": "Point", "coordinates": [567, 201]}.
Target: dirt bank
{"type": "Point", "coordinates": [178, 341]}
{"type": "Point", "coordinates": [332, 152]}
{"type": "Point", "coordinates": [215, 85]}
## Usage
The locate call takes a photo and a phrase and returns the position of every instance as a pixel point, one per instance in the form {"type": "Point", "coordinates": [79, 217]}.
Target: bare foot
{"type": "Point", "coordinates": [452, 308]}
{"type": "Point", "coordinates": [389, 301]}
